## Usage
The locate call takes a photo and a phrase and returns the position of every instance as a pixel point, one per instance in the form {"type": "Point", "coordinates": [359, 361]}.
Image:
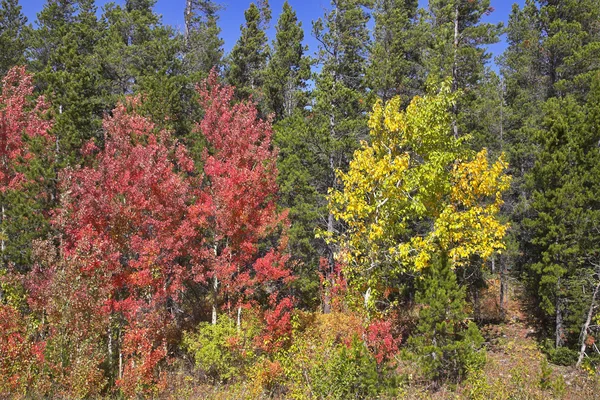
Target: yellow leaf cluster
{"type": "Point", "coordinates": [415, 191]}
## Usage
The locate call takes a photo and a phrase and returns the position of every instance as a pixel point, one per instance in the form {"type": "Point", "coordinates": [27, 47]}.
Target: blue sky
{"type": "Point", "coordinates": [233, 16]}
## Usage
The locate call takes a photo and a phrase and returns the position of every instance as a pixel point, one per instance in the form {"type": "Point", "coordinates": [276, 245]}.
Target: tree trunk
{"type": "Point", "coordinates": [330, 269]}
{"type": "Point", "coordinates": [214, 299]}
{"type": "Point", "coordinates": [584, 329]}
{"type": "Point", "coordinates": [330, 227]}
{"type": "Point", "coordinates": [188, 20]}
{"type": "Point", "coordinates": [455, 72]}
{"type": "Point", "coordinates": [239, 318]}
{"type": "Point", "coordinates": [110, 352]}
{"type": "Point", "coordinates": [120, 355]}
{"type": "Point", "coordinates": [3, 232]}
{"type": "Point", "coordinates": [503, 285]}
{"type": "Point", "coordinates": [559, 320]}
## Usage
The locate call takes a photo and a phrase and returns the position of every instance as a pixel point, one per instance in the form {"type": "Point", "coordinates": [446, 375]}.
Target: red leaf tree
{"type": "Point", "coordinates": [20, 120]}
{"type": "Point", "coordinates": [19, 117]}
{"type": "Point", "coordinates": [127, 218]}
{"type": "Point", "coordinates": [248, 234]}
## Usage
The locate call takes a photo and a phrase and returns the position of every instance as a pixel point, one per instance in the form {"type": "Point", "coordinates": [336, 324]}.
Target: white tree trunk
{"type": "Point", "coordinates": [583, 336]}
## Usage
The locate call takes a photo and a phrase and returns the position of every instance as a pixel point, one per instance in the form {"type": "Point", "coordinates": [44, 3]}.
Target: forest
{"type": "Point", "coordinates": [393, 214]}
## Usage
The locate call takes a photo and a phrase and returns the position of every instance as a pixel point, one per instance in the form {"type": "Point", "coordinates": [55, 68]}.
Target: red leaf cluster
{"type": "Point", "coordinates": [20, 117]}
{"type": "Point", "coordinates": [241, 189]}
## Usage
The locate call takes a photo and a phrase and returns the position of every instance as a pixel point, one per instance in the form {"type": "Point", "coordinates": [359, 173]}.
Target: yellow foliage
{"type": "Point", "coordinates": [415, 191]}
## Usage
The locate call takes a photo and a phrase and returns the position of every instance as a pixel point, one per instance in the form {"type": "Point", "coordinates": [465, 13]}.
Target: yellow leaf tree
{"type": "Point", "coordinates": [415, 194]}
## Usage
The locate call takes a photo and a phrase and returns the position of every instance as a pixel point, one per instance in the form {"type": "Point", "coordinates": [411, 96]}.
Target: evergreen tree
{"type": "Point", "coordinates": [457, 50]}
{"type": "Point", "coordinates": [547, 43]}
{"type": "Point", "coordinates": [443, 346]}
{"type": "Point", "coordinates": [13, 35]}
{"type": "Point", "coordinates": [140, 55]}
{"type": "Point", "coordinates": [396, 66]}
{"type": "Point", "coordinates": [565, 218]}
{"type": "Point", "coordinates": [248, 59]}
{"type": "Point", "coordinates": [570, 33]}
{"type": "Point", "coordinates": [289, 68]}
{"type": "Point", "coordinates": [303, 179]}
{"type": "Point", "coordinates": [340, 99]}
{"type": "Point", "coordinates": [203, 49]}
{"type": "Point", "coordinates": [68, 72]}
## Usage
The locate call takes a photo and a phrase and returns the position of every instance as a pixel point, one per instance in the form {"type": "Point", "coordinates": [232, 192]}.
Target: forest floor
{"type": "Point", "coordinates": [516, 367]}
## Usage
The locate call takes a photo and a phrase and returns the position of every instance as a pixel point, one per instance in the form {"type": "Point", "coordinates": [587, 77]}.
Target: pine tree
{"type": "Point", "coordinates": [303, 179]}
{"type": "Point", "coordinates": [248, 59]}
{"type": "Point", "coordinates": [547, 43]}
{"type": "Point", "coordinates": [565, 213]}
{"type": "Point", "coordinates": [340, 103]}
{"type": "Point", "coordinates": [443, 346]}
{"type": "Point", "coordinates": [289, 68]}
{"type": "Point", "coordinates": [203, 49]}
{"type": "Point", "coordinates": [13, 35]}
{"type": "Point", "coordinates": [141, 55]}
{"type": "Point", "coordinates": [396, 67]}
{"type": "Point", "coordinates": [570, 33]}
{"type": "Point", "coordinates": [68, 73]}
{"type": "Point", "coordinates": [457, 49]}
{"type": "Point", "coordinates": [25, 167]}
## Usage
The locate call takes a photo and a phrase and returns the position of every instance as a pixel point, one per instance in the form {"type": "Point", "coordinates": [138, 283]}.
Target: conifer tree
{"type": "Point", "coordinates": [289, 68]}
{"type": "Point", "coordinates": [396, 65]}
{"type": "Point", "coordinates": [24, 155]}
{"type": "Point", "coordinates": [68, 72]}
{"type": "Point", "coordinates": [548, 41]}
{"type": "Point", "coordinates": [140, 55]}
{"type": "Point", "coordinates": [458, 37]}
{"type": "Point", "coordinates": [565, 213]}
{"type": "Point", "coordinates": [13, 35]}
{"type": "Point", "coordinates": [444, 348]}
{"type": "Point", "coordinates": [340, 99]}
{"type": "Point", "coordinates": [203, 49]}
{"type": "Point", "coordinates": [248, 59]}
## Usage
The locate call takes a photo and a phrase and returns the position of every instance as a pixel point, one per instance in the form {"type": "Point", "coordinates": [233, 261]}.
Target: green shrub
{"type": "Point", "coordinates": [560, 355]}
{"type": "Point", "coordinates": [444, 346]}
{"type": "Point", "coordinates": [219, 350]}
{"type": "Point", "coordinates": [347, 373]}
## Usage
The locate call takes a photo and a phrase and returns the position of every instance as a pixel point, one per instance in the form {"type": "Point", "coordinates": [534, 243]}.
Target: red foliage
{"type": "Point", "coordinates": [380, 340]}
{"type": "Point", "coordinates": [126, 219]}
{"type": "Point", "coordinates": [334, 285]}
{"type": "Point", "coordinates": [242, 187]}
{"type": "Point", "coordinates": [137, 227]}
{"type": "Point", "coordinates": [19, 117]}
{"type": "Point", "coordinates": [18, 356]}
{"type": "Point", "coordinates": [278, 320]}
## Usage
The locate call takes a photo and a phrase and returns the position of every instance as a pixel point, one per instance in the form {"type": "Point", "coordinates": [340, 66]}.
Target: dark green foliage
{"type": "Point", "coordinates": [314, 143]}
{"type": "Point", "coordinates": [302, 182]}
{"type": "Point", "coordinates": [559, 355]}
{"type": "Point", "coordinates": [549, 140]}
{"type": "Point", "coordinates": [27, 211]}
{"type": "Point", "coordinates": [248, 59]}
{"type": "Point", "coordinates": [13, 35]}
{"type": "Point", "coordinates": [465, 60]}
{"type": "Point", "coordinates": [68, 72]}
{"type": "Point", "coordinates": [457, 50]}
{"type": "Point", "coordinates": [445, 344]}
{"type": "Point", "coordinates": [566, 213]}
{"type": "Point", "coordinates": [203, 49]}
{"type": "Point", "coordinates": [396, 66]}
{"type": "Point", "coordinates": [289, 68]}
